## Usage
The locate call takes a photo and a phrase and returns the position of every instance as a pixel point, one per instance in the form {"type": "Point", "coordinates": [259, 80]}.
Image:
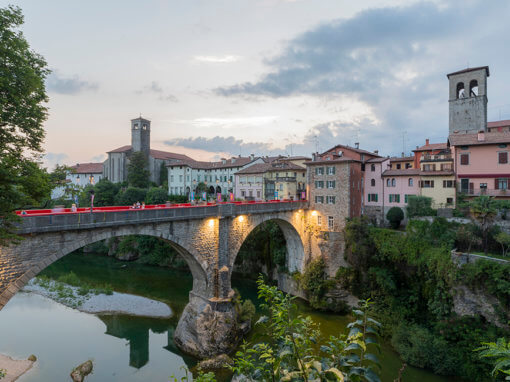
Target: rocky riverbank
{"type": "Point", "coordinates": [14, 368]}
{"type": "Point", "coordinates": [98, 303]}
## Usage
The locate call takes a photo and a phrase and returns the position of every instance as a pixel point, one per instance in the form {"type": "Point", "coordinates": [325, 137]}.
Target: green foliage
{"type": "Point", "coordinates": [292, 350]}
{"type": "Point", "coordinates": [177, 198]}
{"type": "Point", "coordinates": [22, 113]}
{"type": "Point", "coordinates": [504, 240]}
{"type": "Point", "coordinates": [138, 170]}
{"type": "Point", "coordinates": [3, 373]}
{"type": "Point", "coordinates": [156, 195]}
{"type": "Point", "coordinates": [500, 352]}
{"type": "Point", "coordinates": [163, 176]}
{"type": "Point", "coordinates": [483, 211]}
{"type": "Point", "coordinates": [467, 237]}
{"type": "Point", "coordinates": [201, 187]}
{"type": "Point", "coordinates": [419, 206]}
{"type": "Point", "coordinates": [314, 282]}
{"type": "Point", "coordinates": [395, 215]}
{"type": "Point", "coordinates": [245, 309]}
{"type": "Point", "coordinates": [105, 192]}
{"type": "Point", "coordinates": [130, 195]}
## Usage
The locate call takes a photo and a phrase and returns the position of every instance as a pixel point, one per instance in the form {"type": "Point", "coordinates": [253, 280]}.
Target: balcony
{"type": "Point", "coordinates": [285, 178]}
{"type": "Point", "coordinates": [483, 191]}
{"type": "Point", "coordinates": [436, 158]}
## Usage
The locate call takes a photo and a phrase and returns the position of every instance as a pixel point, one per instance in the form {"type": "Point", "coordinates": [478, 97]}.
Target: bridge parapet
{"type": "Point", "coordinates": [100, 219]}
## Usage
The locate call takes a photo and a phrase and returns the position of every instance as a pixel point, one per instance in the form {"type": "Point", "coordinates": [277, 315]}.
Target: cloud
{"type": "Point", "coordinates": [229, 145]}
{"type": "Point", "coordinates": [217, 59]}
{"type": "Point", "coordinates": [393, 60]}
{"type": "Point", "coordinates": [155, 88]}
{"type": "Point", "coordinates": [98, 158]}
{"type": "Point", "coordinates": [233, 122]}
{"type": "Point", "coordinates": [50, 160]}
{"type": "Point", "coordinates": [68, 85]}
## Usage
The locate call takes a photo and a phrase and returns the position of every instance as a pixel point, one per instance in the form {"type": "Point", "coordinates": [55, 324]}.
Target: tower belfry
{"type": "Point", "coordinates": [468, 100]}
{"type": "Point", "coordinates": [141, 135]}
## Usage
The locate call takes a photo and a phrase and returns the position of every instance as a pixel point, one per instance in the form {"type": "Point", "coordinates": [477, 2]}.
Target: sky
{"type": "Point", "coordinates": [219, 78]}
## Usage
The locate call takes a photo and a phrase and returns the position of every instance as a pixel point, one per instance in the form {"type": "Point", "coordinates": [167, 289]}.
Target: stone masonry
{"type": "Point", "coordinates": [207, 237]}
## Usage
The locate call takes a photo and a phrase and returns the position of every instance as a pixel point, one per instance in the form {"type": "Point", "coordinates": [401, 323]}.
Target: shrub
{"type": "Point", "coordinates": [313, 280]}
{"type": "Point", "coordinates": [419, 206]}
{"type": "Point", "coordinates": [130, 196]}
{"type": "Point", "coordinates": [70, 279]}
{"type": "Point", "coordinates": [395, 215]}
{"type": "Point", "coordinates": [156, 195]}
{"type": "Point", "coordinates": [247, 311]}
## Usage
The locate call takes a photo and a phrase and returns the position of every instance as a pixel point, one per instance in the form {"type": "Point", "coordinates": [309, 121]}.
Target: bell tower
{"type": "Point", "coordinates": [468, 100]}
{"type": "Point", "coordinates": [141, 135]}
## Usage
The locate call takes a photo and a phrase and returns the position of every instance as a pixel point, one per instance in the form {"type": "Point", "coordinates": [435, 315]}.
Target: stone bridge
{"type": "Point", "coordinates": [207, 237]}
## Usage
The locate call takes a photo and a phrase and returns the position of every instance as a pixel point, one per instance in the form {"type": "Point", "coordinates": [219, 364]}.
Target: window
{"type": "Point", "coordinates": [460, 90]}
{"type": "Point", "coordinates": [318, 171]}
{"type": "Point", "coordinates": [372, 167]}
{"type": "Point", "coordinates": [448, 183]}
{"type": "Point", "coordinates": [502, 146]}
{"type": "Point", "coordinates": [187, 178]}
{"type": "Point", "coordinates": [410, 182]}
{"type": "Point", "coordinates": [258, 193]}
{"type": "Point", "coordinates": [449, 200]}
{"type": "Point", "coordinates": [331, 184]}
{"type": "Point", "coordinates": [388, 182]}
{"type": "Point", "coordinates": [406, 198]}
{"type": "Point", "coordinates": [372, 197]}
{"type": "Point", "coordinates": [394, 198]}
{"type": "Point", "coordinates": [446, 167]}
{"type": "Point", "coordinates": [464, 159]}
{"type": "Point", "coordinates": [331, 170]}
{"type": "Point", "coordinates": [501, 184]}
{"type": "Point", "coordinates": [319, 199]}
{"type": "Point", "coordinates": [427, 184]}
{"type": "Point", "coordinates": [319, 184]}
{"type": "Point", "coordinates": [473, 88]}
{"type": "Point", "coordinates": [393, 182]}
{"type": "Point", "coordinates": [250, 192]}
{"type": "Point", "coordinates": [281, 187]}
{"type": "Point", "coordinates": [429, 167]}
{"type": "Point", "coordinates": [503, 157]}
{"type": "Point", "coordinates": [330, 199]}
{"type": "Point", "coordinates": [243, 193]}
{"type": "Point", "coordinates": [408, 165]}
{"type": "Point", "coordinates": [171, 178]}
{"type": "Point", "coordinates": [331, 222]}
{"type": "Point", "coordinates": [319, 220]}
{"type": "Point", "coordinates": [180, 178]}
{"type": "Point", "coordinates": [372, 182]}
{"type": "Point", "coordinates": [483, 186]}
{"type": "Point", "coordinates": [398, 166]}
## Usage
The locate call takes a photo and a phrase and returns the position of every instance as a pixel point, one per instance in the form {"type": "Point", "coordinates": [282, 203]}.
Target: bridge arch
{"type": "Point", "coordinates": [293, 230]}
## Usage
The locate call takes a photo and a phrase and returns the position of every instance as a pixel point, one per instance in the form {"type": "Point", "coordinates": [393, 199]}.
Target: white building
{"type": "Point", "coordinates": [82, 174]}
{"type": "Point", "coordinates": [184, 176]}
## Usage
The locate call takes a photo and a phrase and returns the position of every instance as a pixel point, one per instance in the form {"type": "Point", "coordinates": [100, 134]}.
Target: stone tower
{"type": "Point", "coordinates": [141, 135]}
{"type": "Point", "coordinates": [468, 100]}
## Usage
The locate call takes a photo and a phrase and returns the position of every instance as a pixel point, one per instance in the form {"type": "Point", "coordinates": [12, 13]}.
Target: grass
{"type": "Point", "coordinates": [496, 256]}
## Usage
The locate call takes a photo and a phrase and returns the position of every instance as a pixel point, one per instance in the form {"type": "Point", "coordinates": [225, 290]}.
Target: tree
{"type": "Point", "coordinates": [504, 239]}
{"type": "Point", "coordinates": [419, 206]}
{"type": "Point", "coordinates": [500, 351]}
{"type": "Point", "coordinates": [395, 215]}
{"type": "Point", "coordinates": [105, 192]}
{"type": "Point", "coordinates": [483, 212]}
{"type": "Point", "coordinates": [156, 195]}
{"type": "Point", "coordinates": [138, 170]}
{"type": "Point", "coordinates": [163, 175]}
{"type": "Point", "coordinates": [22, 113]}
{"type": "Point", "coordinates": [130, 195]}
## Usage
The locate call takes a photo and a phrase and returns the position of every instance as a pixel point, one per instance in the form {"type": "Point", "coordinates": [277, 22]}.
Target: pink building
{"type": "Point", "coordinates": [398, 185]}
{"type": "Point", "coordinates": [481, 162]}
{"type": "Point", "coordinates": [249, 182]}
{"type": "Point", "coordinates": [373, 197]}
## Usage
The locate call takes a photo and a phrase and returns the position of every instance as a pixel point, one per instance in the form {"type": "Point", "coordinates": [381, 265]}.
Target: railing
{"type": "Point", "coordinates": [432, 158]}
{"type": "Point", "coordinates": [483, 191]}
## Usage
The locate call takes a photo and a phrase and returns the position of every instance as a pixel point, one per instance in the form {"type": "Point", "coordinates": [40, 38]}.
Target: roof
{"type": "Point", "coordinates": [232, 162]}
{"type": "Point", "coordinates": [350, 148]}
{"type": "Point", "coordinates": [472, 139]}
{"type": "Point", "coordinates": [338, 160]}
{"type": "Point", "coordinates": [470, 70]}
{"type": "Point", "coordinates": [436, 173]}
{"type": "Point", "coordinates": [88, 168]}
{"type": "Point", "coordinates": [260, 168]}
{"type": "Point", "coordinates": [377, 160]}
{"type": "Point", "coordinates": [432, 146]}
{"type": "Point", "coordinates": [401, 159]}
{"type": "Point", "coordinates": [402, 172]}
{"type": "Point", "coordinates": [157, 154]}
{"type": "Point", "coordinates": [505, 122]}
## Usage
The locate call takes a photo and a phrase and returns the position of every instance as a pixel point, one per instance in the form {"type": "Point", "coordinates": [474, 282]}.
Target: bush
{"type": "Point", "coordinates": [70, 279]}
{"type": "Point", "coordinates": [156, 195]}
{"type": "Point", "coordinates": [395, 215]}
{"type": "Point", "coordinates": [247, 311]}
{"type": "Point", "coordinates": [313, 280]}
{"type": "Point", "coordinates": [420, 206]}
{"type": "Point", "coordinates": [130, 196]}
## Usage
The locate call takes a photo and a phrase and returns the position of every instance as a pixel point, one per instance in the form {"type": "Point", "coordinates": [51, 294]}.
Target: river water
{"type": "Point", "coordinates": [127, 348]}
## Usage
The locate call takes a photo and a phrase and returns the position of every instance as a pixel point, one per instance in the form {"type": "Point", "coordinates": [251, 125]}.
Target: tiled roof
{"type": "Point", "coordinates": [436, 173]}
{"type": "Point", "coordinates": [401, 159]}
{"type": "Point", "coordinates": [402, 172]}
{"type": "Point", "coordinates": [469, 70]}
{"type": "Point", "coordinates": [377, 160]}
{"type": "Point", "coordinates": [505, 122]}
{"type": "Point", "coordinates": [472, 139]}
{"type": "Point", "coordinates": [350, 148]}
{"type": "Point", "coordinates": [229, 163]}
{"type": "Point", "coordinates": [88, 168]}
{"type": "Point", "coordinates": [260, 168]}
{"type": "Point", "coordinates": [337, 160]}
{"type": "Point", "coordinates": [432, 146]}
{"type": "Point", "coordinates": [157, 154]}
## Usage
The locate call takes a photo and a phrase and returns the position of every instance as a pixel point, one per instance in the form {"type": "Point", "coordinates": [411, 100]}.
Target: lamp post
{"type": "Point", "coordinates": [216, 189]}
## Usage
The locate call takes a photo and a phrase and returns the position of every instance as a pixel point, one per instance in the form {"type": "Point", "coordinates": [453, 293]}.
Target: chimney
{"type": "Point", "coordinates": [403, 155]}
{"type": "Point", "coordinates": [314, 157]}
{"type": "Point", "coordinates": [356, 145]}
{"type": "Point", "coordinates": [427, 142]}
{"type": "Point", "coordinates": [481, 136]}
{"type": "Point", "coordinates": [417, 147]}
{"type": "Point", "coordinates": [376, 152]}
{"type": "Point", "coordinates": [233, 160]}
{"type": "Point", "coordinates": [252, 156]}
{"type": "Point", "coordinates": [223, 160]}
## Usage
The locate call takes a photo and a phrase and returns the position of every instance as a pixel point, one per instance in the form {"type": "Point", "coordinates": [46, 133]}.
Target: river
{"type": "Point", "coordinates": [127, 348]}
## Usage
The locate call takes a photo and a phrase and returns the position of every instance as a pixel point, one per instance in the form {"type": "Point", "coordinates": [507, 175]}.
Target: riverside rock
{"type": "Point", "coordinates": [80, 372]}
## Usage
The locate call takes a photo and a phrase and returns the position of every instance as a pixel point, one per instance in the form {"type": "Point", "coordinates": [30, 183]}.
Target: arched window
{"type": "Point", "coordinates": [372, 167]}
{"type": "Point", "coordinates": [372, 182]}
{"type": "Point", "coordinates": [393, 182]}
{"type": "Point", "coordinates": [473, 88]}
{"type": "Point", "coordinates": [410, 182]}
{"type": "Point", "coordinates": [460, 90]}
{"type": "Point", "coordinates": [388, 182]}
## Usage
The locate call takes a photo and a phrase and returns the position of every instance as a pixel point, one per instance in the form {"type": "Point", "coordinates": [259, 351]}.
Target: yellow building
{"type": "Point", "coordinates": [401, 163]}
{"type": "Point", "coordinates": [438, 179]}
{"type": "Point", "coordinates": [284, 179]}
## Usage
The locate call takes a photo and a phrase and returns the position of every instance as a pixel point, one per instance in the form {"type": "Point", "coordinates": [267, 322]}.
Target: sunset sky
{"type": "Point", "coordinates": [220, 78]}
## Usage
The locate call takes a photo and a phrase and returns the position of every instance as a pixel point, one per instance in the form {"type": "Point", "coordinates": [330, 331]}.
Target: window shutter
{"type": "Point", "coordinates": [503, 157]}
{"type": "Point", "coordinates": [432, 184]}
{"type": "Point", "coordinates": [496, 184]}
{"type": "Point", "coordinates": [376, 196]}
{"type": "Point", "coordinates": [464, 159]}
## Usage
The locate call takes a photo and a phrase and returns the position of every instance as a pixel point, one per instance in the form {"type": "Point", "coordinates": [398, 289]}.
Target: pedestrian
{"type": "Point", "coordinates": [143, 205]}
{"type": "Point", "coordinates": [137, 205]}
{"type": "Point", "coordinates": [73, 208]}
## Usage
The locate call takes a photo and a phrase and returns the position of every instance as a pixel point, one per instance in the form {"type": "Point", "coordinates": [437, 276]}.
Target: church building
{"type": "Point", "coordinates": [115, 167]}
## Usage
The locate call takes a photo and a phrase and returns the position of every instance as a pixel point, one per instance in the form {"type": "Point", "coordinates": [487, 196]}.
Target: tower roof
{"type": "Point", "coordinates": [470, 70]}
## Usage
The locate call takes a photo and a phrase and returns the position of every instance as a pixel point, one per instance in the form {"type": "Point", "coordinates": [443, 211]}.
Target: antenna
{"type": "Point", "coordinates": [316, 143]}
{"type": "Point", "coordinates": [404, 135]}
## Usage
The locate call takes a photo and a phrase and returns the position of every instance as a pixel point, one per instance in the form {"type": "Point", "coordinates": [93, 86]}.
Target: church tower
{"type": "Point", "coordinates": [141, 135]}
{"type": "Point", "coordinates": [468, 100]}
